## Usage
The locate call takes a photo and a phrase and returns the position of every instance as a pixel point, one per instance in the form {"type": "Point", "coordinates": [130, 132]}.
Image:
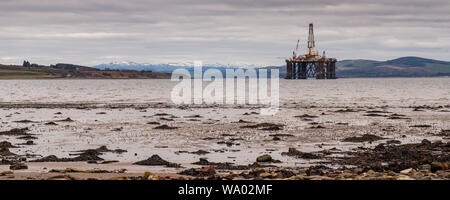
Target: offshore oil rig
{"type": "Point", "coordinates": [310, 64]}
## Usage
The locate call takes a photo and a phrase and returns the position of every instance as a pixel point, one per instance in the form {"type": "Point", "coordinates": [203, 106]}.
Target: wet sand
{"type": "Point", "coordinates": [334, 129]}
{"type": "Point", "coordinates": [302, 141]}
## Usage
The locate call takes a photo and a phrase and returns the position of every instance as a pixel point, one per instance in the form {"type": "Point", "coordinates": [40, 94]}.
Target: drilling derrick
{"type": "Point", "coordinates": [311, 64]}
{"type": "Point", "coordinates": [311, 43]}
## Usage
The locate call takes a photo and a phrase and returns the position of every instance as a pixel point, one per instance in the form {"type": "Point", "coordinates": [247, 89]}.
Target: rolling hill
{"type": "Point", "coordinates": [400, 67]}
{"type": "Point", "coordinates": [72, 71]}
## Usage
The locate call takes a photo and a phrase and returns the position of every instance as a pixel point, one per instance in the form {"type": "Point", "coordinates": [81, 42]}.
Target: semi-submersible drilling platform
{"type": "Point", "coordinates": [310, 64]}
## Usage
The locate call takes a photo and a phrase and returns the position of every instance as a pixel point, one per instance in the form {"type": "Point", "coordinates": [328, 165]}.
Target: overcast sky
{"type": "Point", "coordinates": [260, 32]}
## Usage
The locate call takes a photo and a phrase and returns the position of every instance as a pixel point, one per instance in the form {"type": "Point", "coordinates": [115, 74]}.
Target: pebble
{"type": "Point", "coordinates": [406, 171]}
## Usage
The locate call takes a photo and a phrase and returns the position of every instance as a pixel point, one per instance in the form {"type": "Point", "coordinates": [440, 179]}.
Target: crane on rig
{"type": "Point", "coordinates": [296, 50]}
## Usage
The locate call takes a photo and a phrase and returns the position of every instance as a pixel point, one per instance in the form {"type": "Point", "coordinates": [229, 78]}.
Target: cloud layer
{"type": "Point", "coordinates": [258, 32]}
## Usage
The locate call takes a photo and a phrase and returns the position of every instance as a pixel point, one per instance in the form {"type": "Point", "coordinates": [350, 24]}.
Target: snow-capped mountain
{"type": "Point", "coordinates": [168, 67]}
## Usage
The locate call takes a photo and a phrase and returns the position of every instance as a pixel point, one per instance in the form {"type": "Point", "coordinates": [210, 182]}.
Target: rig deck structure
{"type": "Point", "coordinates": [310, 64]}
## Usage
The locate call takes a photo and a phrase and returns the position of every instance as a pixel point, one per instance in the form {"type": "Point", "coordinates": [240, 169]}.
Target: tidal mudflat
{"type": "Point", "coordinates": [129, 129]}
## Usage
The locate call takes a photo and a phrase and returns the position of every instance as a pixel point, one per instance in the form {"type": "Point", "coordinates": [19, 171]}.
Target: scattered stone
{"type": "Point", "coordinates": [435, 166]}
{"type": "Point", "coordinates": [281, 135]}
{"type": "Point", "coordinates": [346, 110]}
{"type": "Point", "coordinates": [393, 142]}
{"type": "Point", "coordinates": [398, 116]}
{"type": "Point", "coordinates": [272, 128]}
{"type": "Point", "coordinates": [228, 143]}
{"type": "Point", "coordinates": [62, 178]}
{"type": "Point", "coordinates": [91, 171]}
{"type": "Point", "coordinates": [375, 115]}
{"type": "Point", "coordinates": [5, 152]}
{"type": "Point", "coordinates": [27, 137]}
{"type": "Point", "coordinates": [204, 172]}
{"type": "Point", "coordinates": [317, 127]}
{"type": "Point", "coordinates": [161, 114]}
{"type": "Point", "coordinates": [398, 157]}
{"type": "Point", "coordinates": [26, 121]}
{"type": "Point", "coordinates": [4, 173]}
{"type": "Point", "coordinates": [405, 178]}
{"type": "Point", "coordinates": [30, 142]}
{"type": "Point", "coordinates": [425, 142]}
{"type": "Point", "coordinates": [6, 144]}
{"type": "Point", "coordinates": [18, 166]}
{"type": "Point", "coordinates": [15, 132]}
{"type": "Point", "coordinates": [294, 152]}
{"type": "Point", "coordinates": [166, 119]}
{"type": "Point", "coordinates": [241, 121]}
{"type": "Point", "coordinates": [193, 116]}
{"type": "Point", "coordinates": [165, 127]}
{"type": "Point", "coordinates": [118, 129]}
{"type": "Point", "coordinates": [51, 124]}
{"type": "Point", "coordinates": [103, 149]}
{"type": "Point", "coordinates": [226, 165]}
{"type": "Point", "coordinates": [200, 152]}
{"type": "Point", "coordinates": [265, 126]}
{"type": "Point", "coordinates": [266, 158]}
{"type": "Point", "coordinates": [151, 176]}
{"type": "Point", "coordinates": [377, 111]}
{"type": "Point", "coordinates": [406, 171]}
{"type": "Point", "coordinates": [103, 162]}
{"type": "Point", "coordinates": [209, 170]}
{"type": "Point", "coordinates": [421, 126]}
{"type": "Point", "coordinates": [306, 116]}
{"type": "Point", "coordinates": [155, 160]}
{"type": "Point", "coordinates": [66, 120]}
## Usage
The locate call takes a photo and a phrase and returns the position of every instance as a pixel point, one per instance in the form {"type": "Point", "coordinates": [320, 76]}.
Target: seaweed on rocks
{"type": "Point", "coordinates": [165, 127]}
{"type": "Point", "coordinates": [66, 120]}
{"type": "Point", "coordinates": [6, 144]}
{"type": "Point", "coordinates": [5, 152]}
{"type": "Point", "coordinates": [88, 155]}
{"type": "Point", "coordinates": [363, 138]}
{"type": "Point", "coordinates": [155, 160]}
{"type": "Point", "coordinates": [229, 166]}
{"type": "Point", "coordinates": [15, 132]}
{"type": "Point", "coordinates": [265, 126]}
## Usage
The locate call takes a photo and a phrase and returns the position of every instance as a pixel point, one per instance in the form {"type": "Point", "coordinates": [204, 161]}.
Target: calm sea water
{"type": "Point", "coordinates": [389, 91]}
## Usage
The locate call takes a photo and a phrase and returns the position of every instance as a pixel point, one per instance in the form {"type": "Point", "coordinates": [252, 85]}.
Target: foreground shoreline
{"type": "Point", "coordinates": [307, 143]}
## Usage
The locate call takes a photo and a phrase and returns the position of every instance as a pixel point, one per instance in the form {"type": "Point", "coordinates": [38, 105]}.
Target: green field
{"type": "Point", "coordinates": [11, 74]}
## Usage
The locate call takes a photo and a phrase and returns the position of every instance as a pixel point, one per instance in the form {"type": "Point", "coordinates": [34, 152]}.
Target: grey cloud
{"type": "Point", "coordinates": [260, 32]}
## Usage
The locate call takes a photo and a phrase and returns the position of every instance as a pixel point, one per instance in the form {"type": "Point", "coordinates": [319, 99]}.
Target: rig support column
{"type": "Point", "coordinates": [289, 70]}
